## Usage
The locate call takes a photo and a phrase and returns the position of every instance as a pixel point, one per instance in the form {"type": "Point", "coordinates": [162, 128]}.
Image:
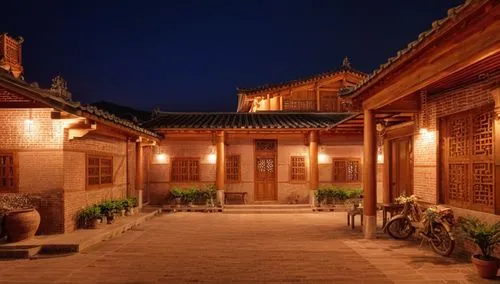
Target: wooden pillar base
{"type": "Point", "coordinates": [139, 199]}
{"type": "Point", "coordinates": [220, 197]}
{"type": "Point", "coordinates": [370, 227]}
{"type": "Point", "coordinates": [312, 198]}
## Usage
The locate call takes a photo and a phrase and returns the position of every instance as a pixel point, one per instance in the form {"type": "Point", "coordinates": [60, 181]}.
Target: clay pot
{"type": "Point", "coordinates": [21, 224]}
{"type": "Point", "coordinates": [92, 224]}
{"type": "Point", "coordinates": [486, 268]}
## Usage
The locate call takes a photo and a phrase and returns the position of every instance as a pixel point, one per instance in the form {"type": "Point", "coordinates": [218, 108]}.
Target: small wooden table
{"type": "Point", "coordinates": [392, 208]}
{"type": "Point", "coordinates": [235, 196]}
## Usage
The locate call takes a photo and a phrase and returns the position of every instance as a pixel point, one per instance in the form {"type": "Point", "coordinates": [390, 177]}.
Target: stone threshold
{"type": "Point", "coordinates": [76, 241]}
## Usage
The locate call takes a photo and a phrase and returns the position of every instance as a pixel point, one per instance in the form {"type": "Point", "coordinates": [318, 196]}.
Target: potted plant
{"type": "Point", "coordinates": [190, 196]}
{"type": "Point", "coordinates": [119, 207]}
{"type": "Point", "coordinates": [20, 219]}
{"type": "Point", "coordinates": [320, 196]}
{"type": "Point", "coordinates": [108, 210]}
{"type": "Point", "coordinates": [177, 193]}
{"type": "Point", "coordinates": [210, 194]}
{"type": "Point", "coordinates": [90, 216]}
{"type": "Point", "coordinates": [133, 205]}
{"type": "Point", "coordinates": [486, 237]}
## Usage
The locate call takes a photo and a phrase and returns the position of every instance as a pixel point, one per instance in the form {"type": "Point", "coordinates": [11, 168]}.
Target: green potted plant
{"type": "Point", "coordinates": [486, 237]}
{"type": "Point", "coordinates": [119, 207]}
{"type": "Point", "coordinates": [108, 210]}
{"type": "Point", "coordinates": [133, 205]}
{"type": "Point", "coordinates": [320, 196]}
{"type": "Point", "coordinates": [210, 194]}
{"type": "Point", "coordinates": [90, 216]}
{"type": "Point", "coordinates": [190, 196]}
{"type": "Point", "coordinates": [177, 193]}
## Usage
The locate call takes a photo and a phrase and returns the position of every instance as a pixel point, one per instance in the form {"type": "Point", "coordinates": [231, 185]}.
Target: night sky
{"type": "Point", "coordinates": [191, 55]}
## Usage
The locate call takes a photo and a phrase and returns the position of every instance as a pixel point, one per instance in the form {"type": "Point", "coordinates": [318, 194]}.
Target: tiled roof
{"type": "Point", "coordinates": [76, 108]}
{"type": "Point", "coordinates": [243, 120]}
{"type": "Point", "coordinates": [436, 26]}
{"type": "Point", "coordinates": [345, 68]}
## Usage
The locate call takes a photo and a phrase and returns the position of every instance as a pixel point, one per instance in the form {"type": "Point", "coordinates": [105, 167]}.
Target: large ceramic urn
{"type": "Point", "coordinates": [21, 224]}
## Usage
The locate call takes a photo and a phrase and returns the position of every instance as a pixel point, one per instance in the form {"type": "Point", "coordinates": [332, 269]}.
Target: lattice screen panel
{"type": "Point", "coordinates": [233, 168]}
{"type": "Point", "coordinates": [298, 168]}
{"type": "Point", "coordinates": [7, 176]}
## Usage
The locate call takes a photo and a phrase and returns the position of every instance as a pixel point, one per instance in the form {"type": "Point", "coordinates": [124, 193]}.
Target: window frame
{"type": "Point", "coordinates": [189, 175]}
{"type": "Point", "coordinates": [238, 168]}
{"type": "Point", "coordinates": [15, 176]}
{"type": "Point", "coordinates": [347, 159]}
{"type": "Point", "coordinates": [291, 167]}
{"type": "Point", "coordinates": [100, 176]}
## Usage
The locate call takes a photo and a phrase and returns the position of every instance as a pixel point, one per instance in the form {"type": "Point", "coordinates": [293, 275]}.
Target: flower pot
{"type": "Point", "coordinates": [178, 202]}
{"type": "Point", "coordinates": [110, 218]}
{"type": "Point", "coordinates": [128, 212]}
{"type": "Point", "coordinates": [21, 224]}
{"type": "Point", "coordinates": [92, 224]}
{"type": "Point", "coordinates": [486, 268]}
{"type": "Point", "coordinates": [122, 212]}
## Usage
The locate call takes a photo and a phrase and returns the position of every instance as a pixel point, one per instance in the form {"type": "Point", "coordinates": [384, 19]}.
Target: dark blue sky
{"type": "Point", "coordinates": [191, 55]}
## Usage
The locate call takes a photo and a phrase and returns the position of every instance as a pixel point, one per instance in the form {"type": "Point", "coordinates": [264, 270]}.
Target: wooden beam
{"type": "Point", "coordinates": [453, 54]}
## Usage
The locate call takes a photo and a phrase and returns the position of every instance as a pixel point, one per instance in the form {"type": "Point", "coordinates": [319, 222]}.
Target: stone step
{"type": "Point", "coordinates": [19, 251]}
{"type": "Point", "coordinates": [268, 211]}
{"type": "Point", "coordinates": [268, 206]}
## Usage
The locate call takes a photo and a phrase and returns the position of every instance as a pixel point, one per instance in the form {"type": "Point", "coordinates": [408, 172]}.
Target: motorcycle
{"type": "Point", "coordinates": [434, 225]}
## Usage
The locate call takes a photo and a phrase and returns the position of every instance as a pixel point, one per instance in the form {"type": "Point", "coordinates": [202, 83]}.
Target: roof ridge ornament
{"type": "Point", "coordinates": [59, 86]}
{"type": "Point", "coordinates": [346, 63]}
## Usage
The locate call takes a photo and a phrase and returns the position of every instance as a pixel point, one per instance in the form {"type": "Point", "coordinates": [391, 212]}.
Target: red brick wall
{"type": "Point", "coordinates": [38, 149]}
{"type": "Point", "coordinates": [52, 166]}
{"type": "Point", "coordinates": [77, 196]}
{"type": "Point", "coordinates": [425, 145]}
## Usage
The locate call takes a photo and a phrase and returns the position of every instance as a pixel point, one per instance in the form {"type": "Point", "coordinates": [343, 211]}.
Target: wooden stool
{"type": "Point", "coordinates": [351, 214]}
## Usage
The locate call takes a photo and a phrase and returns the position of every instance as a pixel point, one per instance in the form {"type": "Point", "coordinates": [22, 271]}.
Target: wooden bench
{"type": "Point", "coordinates": [241, 197]}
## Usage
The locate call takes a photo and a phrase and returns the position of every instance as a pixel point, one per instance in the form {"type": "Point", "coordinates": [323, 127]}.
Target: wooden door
{"type": "Point", "coordinates": [401, 167]}
{"type": "Point", "coordinates": [265, 170]}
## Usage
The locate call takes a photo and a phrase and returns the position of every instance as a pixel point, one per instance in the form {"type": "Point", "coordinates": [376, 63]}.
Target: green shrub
{"type": "Point", "coordinates": [485, 236]}
{"type": "Point", "coordinates": [118, 204]}
{"type": "Point", "coordinates": [330, 193]}
{"type": "Point", "coordinates": [132, 201]}
{"type": "Point", "coordinates": [354, 193]}
{"type": "Point", "coordinates": [177, 192]}
{"type": "Point", "coordinates": [108, 207]}
{"type": "Point", "coordinates": [90, 213]}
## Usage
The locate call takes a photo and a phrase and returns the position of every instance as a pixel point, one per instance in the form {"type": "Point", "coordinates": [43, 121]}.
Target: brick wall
{"type": "Point", "coordinates": [243, 145]}
{"type": "Point", "coordinates": [425, 145]}
{"type": "Point", "coordinates": [36, 141]}
{"type": "Point", "coordinates": [76, 194]}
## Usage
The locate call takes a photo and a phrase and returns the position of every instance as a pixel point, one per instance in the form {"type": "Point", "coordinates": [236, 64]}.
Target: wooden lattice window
{"type": "Point", "coordinates": [99, 170]}
{"type": "Point", "coordinates": [468, 171]}
{"type": "Point", "coordinates": [265, 145]}
{"type": "Point", "coordinates": [346, 170]}
{"type": "Point", "coordinates": [7, 172]}
{"type": "Point", "coordinates": [185, 169]}
{"type": "Point", "coordinates": [233, 168]}
{"type": "Point", "coordinates": [297, 168]}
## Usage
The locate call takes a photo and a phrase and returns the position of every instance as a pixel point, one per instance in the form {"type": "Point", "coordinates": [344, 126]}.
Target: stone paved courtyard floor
{"type": "Point", "coordinates": [227, 248]}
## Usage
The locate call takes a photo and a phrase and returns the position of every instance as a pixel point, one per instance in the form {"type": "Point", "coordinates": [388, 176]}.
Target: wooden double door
{"type": "Point", "coordinates": [401, 167]}
{"type": "Point", "coordinates": [265, 170]}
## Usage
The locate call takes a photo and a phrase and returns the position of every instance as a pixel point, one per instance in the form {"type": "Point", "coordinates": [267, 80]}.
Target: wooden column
{"type": "Point", "coordinates": [496, 148]}
{"type": "Point", "coordinates": [318, 103]}
{"type": "Point", "coordinates": [370, 175]}
{"type": "Point", "coordinates": [220, 166]}
{"type": "Point", "coordinates": [139, 172]}
{"type": "Point", "coordinates": [313, 164]}
{"type": "Point", "coordinates": [386, 179]}
{"type": "Point", "coordinates": [281, 102]}
{"type": "Point", "coordinates": [268, 107]}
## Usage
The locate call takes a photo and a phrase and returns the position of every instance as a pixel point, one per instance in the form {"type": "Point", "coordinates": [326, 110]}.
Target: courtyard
{"type": "Point", "coordinates": [228, 248]}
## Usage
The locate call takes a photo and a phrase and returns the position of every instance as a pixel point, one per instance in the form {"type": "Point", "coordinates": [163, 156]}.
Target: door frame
{"type": "Point", "coordinates": [398, 132]}
{"type": "Point", "coordinates": [255, 156]}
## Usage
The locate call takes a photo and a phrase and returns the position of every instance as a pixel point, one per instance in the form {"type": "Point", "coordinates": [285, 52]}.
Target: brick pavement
{"type": "Point", "coordinates": [223, 248]}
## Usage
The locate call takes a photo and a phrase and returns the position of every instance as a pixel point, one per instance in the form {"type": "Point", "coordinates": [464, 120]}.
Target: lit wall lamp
{"type": "Point", "coordinates": [424, 115]}
{"type": "Point", "coordinates": [29, 124]}
{"type": "Point", "coordinates": [212, 157]}
{"type": "Point", "coordinates": [322, 156]}
{"type": "Point", "coordinates": [160, 157]}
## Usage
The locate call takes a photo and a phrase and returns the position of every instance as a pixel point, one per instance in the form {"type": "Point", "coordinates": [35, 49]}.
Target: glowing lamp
{"type": "Point", "coordinates": [161, 158]}
{"type": "Point", "coordinates": [423, 130]}
{"type": "Point", "coordinates": [212, 158]}
{"type": "Point", "coordinates": [322, 158]}
{"type": "Point", "coordinates": [380, 158]}
{"type": "Point", "coordinates": [29, 125]}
